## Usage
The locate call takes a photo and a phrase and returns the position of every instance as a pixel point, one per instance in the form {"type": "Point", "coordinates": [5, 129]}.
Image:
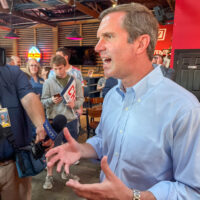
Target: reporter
{"type": "Point", "coordinates": [23, 105]}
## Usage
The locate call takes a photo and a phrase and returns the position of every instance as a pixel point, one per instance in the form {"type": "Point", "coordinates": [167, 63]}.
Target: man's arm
{"type": "Point", "coordinates": [35, 111]}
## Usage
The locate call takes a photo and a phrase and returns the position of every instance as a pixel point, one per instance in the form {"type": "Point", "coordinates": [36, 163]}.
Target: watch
{"type": "Point", "coordinates": [136, 195]}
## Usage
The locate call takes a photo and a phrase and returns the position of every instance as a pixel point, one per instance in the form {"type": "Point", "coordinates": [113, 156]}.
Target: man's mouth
{"type": "Point", "coordinates": [106, 60]}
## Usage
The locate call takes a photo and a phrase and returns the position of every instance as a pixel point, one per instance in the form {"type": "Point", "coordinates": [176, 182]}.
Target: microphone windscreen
{"type": "Point", "coordinates": [59, 123]}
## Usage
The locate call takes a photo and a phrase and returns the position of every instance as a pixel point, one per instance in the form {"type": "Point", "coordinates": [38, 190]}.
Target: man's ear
{"type": "Point", "coordinates": [143, 42]}
{"type": "Point", "coordinates": [66, 57]}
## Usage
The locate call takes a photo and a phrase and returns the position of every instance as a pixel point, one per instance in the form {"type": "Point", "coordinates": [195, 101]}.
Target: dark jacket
{"type": "Point", "coordinates": [14, 85]}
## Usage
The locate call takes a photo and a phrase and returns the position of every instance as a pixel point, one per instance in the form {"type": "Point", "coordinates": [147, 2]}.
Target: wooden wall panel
{"type": "Point", "coordinates": [44, 41]}
{"type": "Point", "coordinates": [89, 34]}
{"type": "Point", "coordinates": [6, 43]}
{"type": "Point", "coordinates": [25, 42]}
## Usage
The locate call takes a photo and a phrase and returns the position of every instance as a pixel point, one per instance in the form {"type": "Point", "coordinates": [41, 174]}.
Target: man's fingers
{"type": "Point", "coordinates": [59, 165]}
{"type": "Point", "coordinates": [88, 191]}
{"type": "Point", "coordinates": [67, 135]}
{"type": "Point", "coordinates": [67, 169]}
{"type": "Point", "coordinates": [51, 152]}
{"type": "Point", "coordinates": [106, 169]}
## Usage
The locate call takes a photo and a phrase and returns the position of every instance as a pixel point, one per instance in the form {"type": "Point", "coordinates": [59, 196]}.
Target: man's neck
{"type": "Point", "coordinates": [68, 67]}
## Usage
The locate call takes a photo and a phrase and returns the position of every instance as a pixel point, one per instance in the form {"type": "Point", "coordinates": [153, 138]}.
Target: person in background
{"type": "Point", "coordinates": [166, 60]}
{"type": "Point", "coordinates": [54, 104]}
{"type": "Point", "coordinates": [101, 84]}
{"type": "Point", "coordinates": [15, 60]}
{"type": "Point", "coordinates": [45, 72]}
{"type": "Point", "coordinates": [33, 68]}
{"type": "Point", "coordinates": [109, 84]}
{"type": "Point", "coordinates": [22, 104]}
{"type": "Point", "coordinates": [157, 59]}
{"type": "Point", "coordinates": [148, 138]}
{"type": "Point", "coordinates": [71, 70]}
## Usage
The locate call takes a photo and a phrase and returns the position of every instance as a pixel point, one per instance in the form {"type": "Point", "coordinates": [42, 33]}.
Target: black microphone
{"type": "Point", "coordinates": [59, 123]}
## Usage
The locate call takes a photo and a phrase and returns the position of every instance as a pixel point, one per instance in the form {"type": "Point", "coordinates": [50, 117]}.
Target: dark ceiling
{"type": "Point", "coordinates": [25, 13]}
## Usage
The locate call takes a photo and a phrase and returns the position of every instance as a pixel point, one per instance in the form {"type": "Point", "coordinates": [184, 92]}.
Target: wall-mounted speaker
{"type": "Point", "coordinates": [2, 56]}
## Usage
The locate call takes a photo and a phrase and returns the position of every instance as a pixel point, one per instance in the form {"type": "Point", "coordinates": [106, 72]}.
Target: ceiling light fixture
{"type": "Point", "coordinates": [11, 34]}
{"type": "Point", "coordinates": [74, 34]}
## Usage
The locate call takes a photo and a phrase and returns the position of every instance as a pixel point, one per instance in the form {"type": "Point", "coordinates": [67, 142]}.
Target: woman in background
{"type": "Point", "coordinates": [33, 68]}
{"type": "Point", "coordinates": [45, 72]}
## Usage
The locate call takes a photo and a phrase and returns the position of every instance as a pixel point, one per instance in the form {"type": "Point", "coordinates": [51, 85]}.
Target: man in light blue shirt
{"type": "Point", "coordinates": [148, 138]}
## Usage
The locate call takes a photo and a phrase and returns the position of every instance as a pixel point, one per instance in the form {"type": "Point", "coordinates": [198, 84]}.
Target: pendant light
{"type": "Point", "coordinates": [11, 34]}
{"type": "Point", "coordinates": [74, 34]}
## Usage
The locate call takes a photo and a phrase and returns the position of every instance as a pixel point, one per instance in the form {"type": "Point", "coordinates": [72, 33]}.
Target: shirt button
{"type": "Point", "coordinates": [116, 154]}
{"type": "Point", "coordinates": [139, 100]}
{"type": "Point", "coordinates": [126, 109]}
{"type": "Point", "coordinates": [121, 131]}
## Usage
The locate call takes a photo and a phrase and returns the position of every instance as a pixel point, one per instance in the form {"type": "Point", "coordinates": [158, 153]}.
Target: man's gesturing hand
{"type": "Point", "coordinates": [110, 189]}
{"type": "Point", "coordinates": [65, 154]}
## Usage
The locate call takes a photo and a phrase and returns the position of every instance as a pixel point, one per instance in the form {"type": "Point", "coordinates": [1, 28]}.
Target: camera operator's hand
{"type": "Point", "coordinates": [65, 154]}
{"type": "Point", "coordinates": [49, 143]}
{"type": "Point", "coordinates": [40, 133]}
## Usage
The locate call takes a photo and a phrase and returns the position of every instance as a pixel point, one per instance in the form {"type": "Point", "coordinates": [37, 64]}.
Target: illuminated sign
{"type": "Point", "coordinates": [34, 53]}
{"type": "Point", "coordinates": [161, 34]}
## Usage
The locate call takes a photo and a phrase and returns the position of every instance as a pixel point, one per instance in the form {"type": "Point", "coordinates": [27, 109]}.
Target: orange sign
{"type": "Point", "coordinates": [34, 53]}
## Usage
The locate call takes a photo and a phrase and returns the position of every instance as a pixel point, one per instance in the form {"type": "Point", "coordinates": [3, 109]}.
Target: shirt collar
{"type": "Point", "coordinates": [144, 85]}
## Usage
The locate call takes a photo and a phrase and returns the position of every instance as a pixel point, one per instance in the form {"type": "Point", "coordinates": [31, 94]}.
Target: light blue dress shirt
{"type": "Point", "coordinates": [151, 135]}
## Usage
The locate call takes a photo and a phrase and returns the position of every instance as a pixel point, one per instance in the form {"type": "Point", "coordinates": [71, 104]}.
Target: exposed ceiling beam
{"type": "Point", "coordinates": [27, 16]}
{"type": "Point", "coordinates": [42, 4]}
{"type": "Point", "coordinates": [84, 9]}
{"type": "Point", "coordinates": [32, 18]}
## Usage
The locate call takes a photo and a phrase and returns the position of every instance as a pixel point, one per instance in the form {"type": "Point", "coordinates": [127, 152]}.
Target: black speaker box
{"type": "Point", "coordinates": [2, 56]}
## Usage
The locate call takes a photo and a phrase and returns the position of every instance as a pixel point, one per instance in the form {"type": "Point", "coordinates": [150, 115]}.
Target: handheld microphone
{"type": "Point", "coordinates": [53, 130]}
{"type": "Point", "coordinates": [59, 123]}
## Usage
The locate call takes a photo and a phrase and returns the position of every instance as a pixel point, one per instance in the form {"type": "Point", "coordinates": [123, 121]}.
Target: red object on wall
{"type": "Point", "coordinates": [186, 33]}
{"type": "Point", "coordinates": [164, 39]}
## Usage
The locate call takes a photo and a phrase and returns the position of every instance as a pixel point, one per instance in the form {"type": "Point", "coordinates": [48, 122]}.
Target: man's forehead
{"type": "Point", "coordinates": [115, 18]}
{"type": "Point", "coordinates": [58, 66]}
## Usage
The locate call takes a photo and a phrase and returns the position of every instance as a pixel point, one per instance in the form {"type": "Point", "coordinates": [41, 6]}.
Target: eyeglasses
{"type": "Point", "coordinates": [33, 65]}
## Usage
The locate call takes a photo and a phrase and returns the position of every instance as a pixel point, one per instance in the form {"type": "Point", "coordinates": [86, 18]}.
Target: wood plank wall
{"type": "Point", "coordinates": [48, 39]}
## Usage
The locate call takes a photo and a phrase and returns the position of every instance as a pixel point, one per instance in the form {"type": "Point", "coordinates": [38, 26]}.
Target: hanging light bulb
{"type": "Point", "coordinates": [74, 34]}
